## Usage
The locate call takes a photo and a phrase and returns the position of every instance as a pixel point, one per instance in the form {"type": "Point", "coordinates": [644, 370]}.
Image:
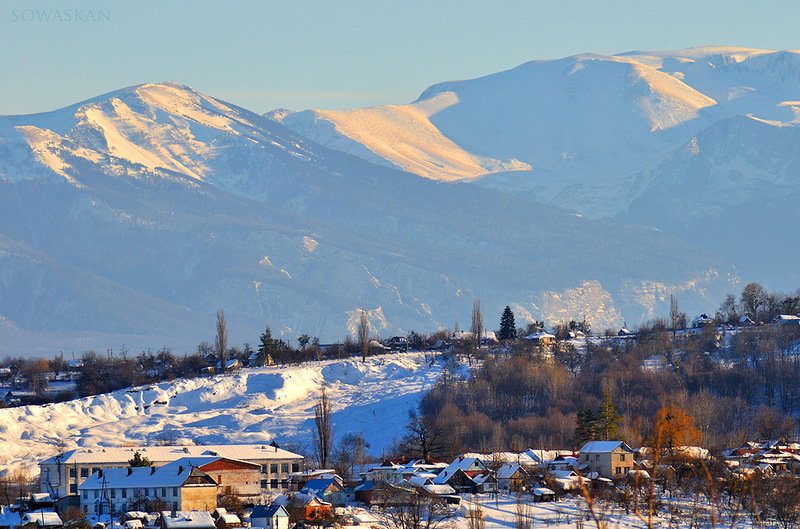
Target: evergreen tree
{"type": "Point", "coordinates": [607, 418]}
{"type": "Point", "coordinates": [508, 329]}
{"type": "Point", "coordinates": [586, 429]}
{"type": "Point", "coordinates": [139, 461]}
{"type": "Point", "coordinates": [266, 348]}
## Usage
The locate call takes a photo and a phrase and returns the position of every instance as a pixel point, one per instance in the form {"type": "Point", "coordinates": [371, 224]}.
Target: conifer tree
{"type": "Point", "coordinates": [508, 329]}
{"type": "Point", "coordinates": [608, 418]}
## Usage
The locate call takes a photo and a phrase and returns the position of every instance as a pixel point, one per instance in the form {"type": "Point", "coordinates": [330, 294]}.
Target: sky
{"type": "Point", "coordinates": [328, 54]}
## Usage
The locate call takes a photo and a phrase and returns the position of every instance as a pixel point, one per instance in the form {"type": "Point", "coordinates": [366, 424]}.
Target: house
{"type": "Point", "coordinates": [385, 493]}
{"type": "Point", "coordinates": [41, 519]}
{"type": "Point", "coordinates": [227, 521]}
{"type": "Point", "coordinates": [174, 486]}
{"type": "Point", "coordinates": [186, 520]}
{"type": "Point", "coordinates": [316, 510]}
{"type": "Point", "coordinates": [233, 476]}
{"type": "Point", "coordinates": [787, 320]}
{"type": "Point", "coordinates": [541, 338]}
{"type": "Point", "coordinates": [321, 488]}
{"type": "Point", "coordinates": [397, 343]}
{"type": "Point", "coordinates": [702, 321]}
{"type": "Point", "coordinates": [512, 477]}
{"type": "Point", "coordinates": [543, 494]}
{"type": "Point", "coordinates": [270, 517]}
{"type": "Point", "coordinates": [610, 459]}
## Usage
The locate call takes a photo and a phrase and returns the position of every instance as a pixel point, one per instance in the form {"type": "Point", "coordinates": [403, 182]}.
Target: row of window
{"type": "Point", "coordinates": [160, 492]}
{"type": "Point", "coordinates": [274, 483]}
{"type": "Point", "coordinates": [73, 472]}
{"type": "Point", "coordinates": [272, 468]}
{"type": "Point", "coordinates": [99, 508]}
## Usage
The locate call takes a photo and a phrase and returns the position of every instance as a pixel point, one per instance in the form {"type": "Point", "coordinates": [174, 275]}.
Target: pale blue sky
{"type": "Point", "coordinates": [339, 54]}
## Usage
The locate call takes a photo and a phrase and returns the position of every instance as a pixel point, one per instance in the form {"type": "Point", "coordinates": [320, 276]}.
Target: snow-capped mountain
{"type": "Point", "coordinates": [131, 218]}
{"type": "Point", "coordinates": [682, 140]}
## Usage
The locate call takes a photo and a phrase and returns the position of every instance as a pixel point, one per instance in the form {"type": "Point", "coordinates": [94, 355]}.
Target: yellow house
{"type": "Point", "coordinates": [610, 459]}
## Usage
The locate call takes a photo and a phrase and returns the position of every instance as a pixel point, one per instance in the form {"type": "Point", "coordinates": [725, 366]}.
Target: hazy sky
{"type": "Point", "coordinates": [338, 54]}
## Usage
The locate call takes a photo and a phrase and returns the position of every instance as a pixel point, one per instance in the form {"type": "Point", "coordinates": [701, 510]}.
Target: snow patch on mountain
{"type": "Point", "coordinates": [400, 135]}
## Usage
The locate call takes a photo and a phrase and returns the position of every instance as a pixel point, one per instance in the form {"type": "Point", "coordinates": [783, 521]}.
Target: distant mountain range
{"type": "Point", "coordinates": [592, 186]}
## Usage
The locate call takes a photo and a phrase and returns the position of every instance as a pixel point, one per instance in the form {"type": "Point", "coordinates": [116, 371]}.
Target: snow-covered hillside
{"type": "Point", "coordinates": [610, 136]}
{"type": "Point", "coordinates": [251, 406]}
{"type": "Point", "coordinates": [130, 219]}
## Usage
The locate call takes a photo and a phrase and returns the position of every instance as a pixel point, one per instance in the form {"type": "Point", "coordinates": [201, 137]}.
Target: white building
{"type": "Point", "coordinates": [61, 475]}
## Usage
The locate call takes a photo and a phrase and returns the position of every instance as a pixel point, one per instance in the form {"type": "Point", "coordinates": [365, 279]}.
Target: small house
{"type": "Point", "coordinates": [270, 517]}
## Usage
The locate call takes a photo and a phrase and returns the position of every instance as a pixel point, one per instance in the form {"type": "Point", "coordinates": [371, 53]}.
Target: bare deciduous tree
{"type": "Point", "coordinates": [222, 337]}
{"type": "Point", "coordinates": [477, 323]}
{"type": "Point", "coordinates": [363, 335]}
{"type": "Point", "coordinates": [324, 427]}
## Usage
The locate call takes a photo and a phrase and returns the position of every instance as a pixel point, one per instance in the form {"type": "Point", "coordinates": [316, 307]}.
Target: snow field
{"type": "Point", "coordinates": [248, 406]}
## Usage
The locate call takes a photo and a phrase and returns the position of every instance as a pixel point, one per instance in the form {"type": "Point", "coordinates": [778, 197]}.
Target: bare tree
{"type": "Point", "coordinates": [674, 315]}
{"type": "Point", "coordinates": [350, 453]}
{"type": "Point", "coordinates": [222, 337]}
{"type": "Point", "coordinates": [363, 335]}
{"type": "Point", "coordinates": [418, 512]}
{"type": "Point", "coordinates": [322, 420]}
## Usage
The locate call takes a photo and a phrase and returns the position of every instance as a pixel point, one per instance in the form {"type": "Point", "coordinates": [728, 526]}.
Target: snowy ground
{"type": "Point", "coordinates": [572, 512]}
{"type": "Point", "coordinates": [249, 406]}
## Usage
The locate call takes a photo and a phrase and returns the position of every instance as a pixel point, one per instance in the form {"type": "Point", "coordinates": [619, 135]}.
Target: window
{"type": "Point", "coordinates": [273, 468]}
{"type": "Point", "coordinates": [163, 492]}
{"type": "Point", "coordinates": [619, 470]}
{"type": "Point", "coordinates": [113, 493]}
{"type": "Point", "coordinates": [73, 488]}
{"type": "Point", "coordinates": [73, 473]}
{"type": "Point", "coordinates": [264, 483]}
{"type": "Point", "coordinates": [264, 469]}
{"type": "Point", "coordinates": [84, 472]}
{"type": "Point", "coordinates": [175, 492]}
{"type": "Point", "coordinates": [295, 467]}
{"type": "Point", "coordinates": [96, 494]}
{"type": "Point", "coordinates": [124, 493]}
{"type": "Point", "coordinates": [622, 457]}
{"type": "Point", "coordinates": [94, 470]}
{"type": "Point", "coordinates": [86, 495]}
{"type": "Point", "coordinates": [284, 468]}
{"type": "Point", "coordinates": [219, 479]}
{"type": "Point", "coordinates": [273, 484]}
{"type": "Point", "coordinates": [285, 483]}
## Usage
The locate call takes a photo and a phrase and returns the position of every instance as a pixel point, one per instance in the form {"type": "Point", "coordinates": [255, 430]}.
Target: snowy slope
{"type": "Point", "coordinates": [250, 406]}
{"type": "Point", "coordinates": [575, 130]}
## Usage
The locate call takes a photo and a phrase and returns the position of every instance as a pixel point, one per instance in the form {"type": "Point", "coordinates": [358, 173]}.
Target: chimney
{"type": "Point", "coordinates": [100, 472]}
{"type": "Point", "coordinates": [180, 469]}
{"type": "Point", "coordinates": [130, 471]}
{"type": "Point", "coordinates": [152, 470]}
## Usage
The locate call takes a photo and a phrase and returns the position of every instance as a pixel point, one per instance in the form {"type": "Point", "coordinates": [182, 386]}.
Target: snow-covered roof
{"type": "Point", "coordinates": [40, 497]}
{"type": "Point", "coordinates": [268, 511]}
{"type": "Point", "coordinates": [42, 519]}
{"type": "Point", "coordinates": [438, 490]}
{"type": "Point", "coordinates": [188, 520]}
{"type": "Point", "coordinates": [165, 454]}
{"type": "Point", "coordinates": [460, 462]}
{"type": "Point", "coordinates": [318, 487]}
{"type": "Point", "coordinates": [171, 475]}
{"type": "Point", "coordinates": [507, 470]}
{"type": "Point", "coordinates": [598, 447]}
{"type": "Point", "coordinates": [229, 518]}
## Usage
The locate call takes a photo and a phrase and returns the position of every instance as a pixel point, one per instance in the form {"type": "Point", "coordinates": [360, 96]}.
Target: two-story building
{"type": "Point", "coordinates": [174, 486]}
{"type": "Point", "coordinates": [610, 459]}
{"type": "Point", "coordinates": [62, 474]}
